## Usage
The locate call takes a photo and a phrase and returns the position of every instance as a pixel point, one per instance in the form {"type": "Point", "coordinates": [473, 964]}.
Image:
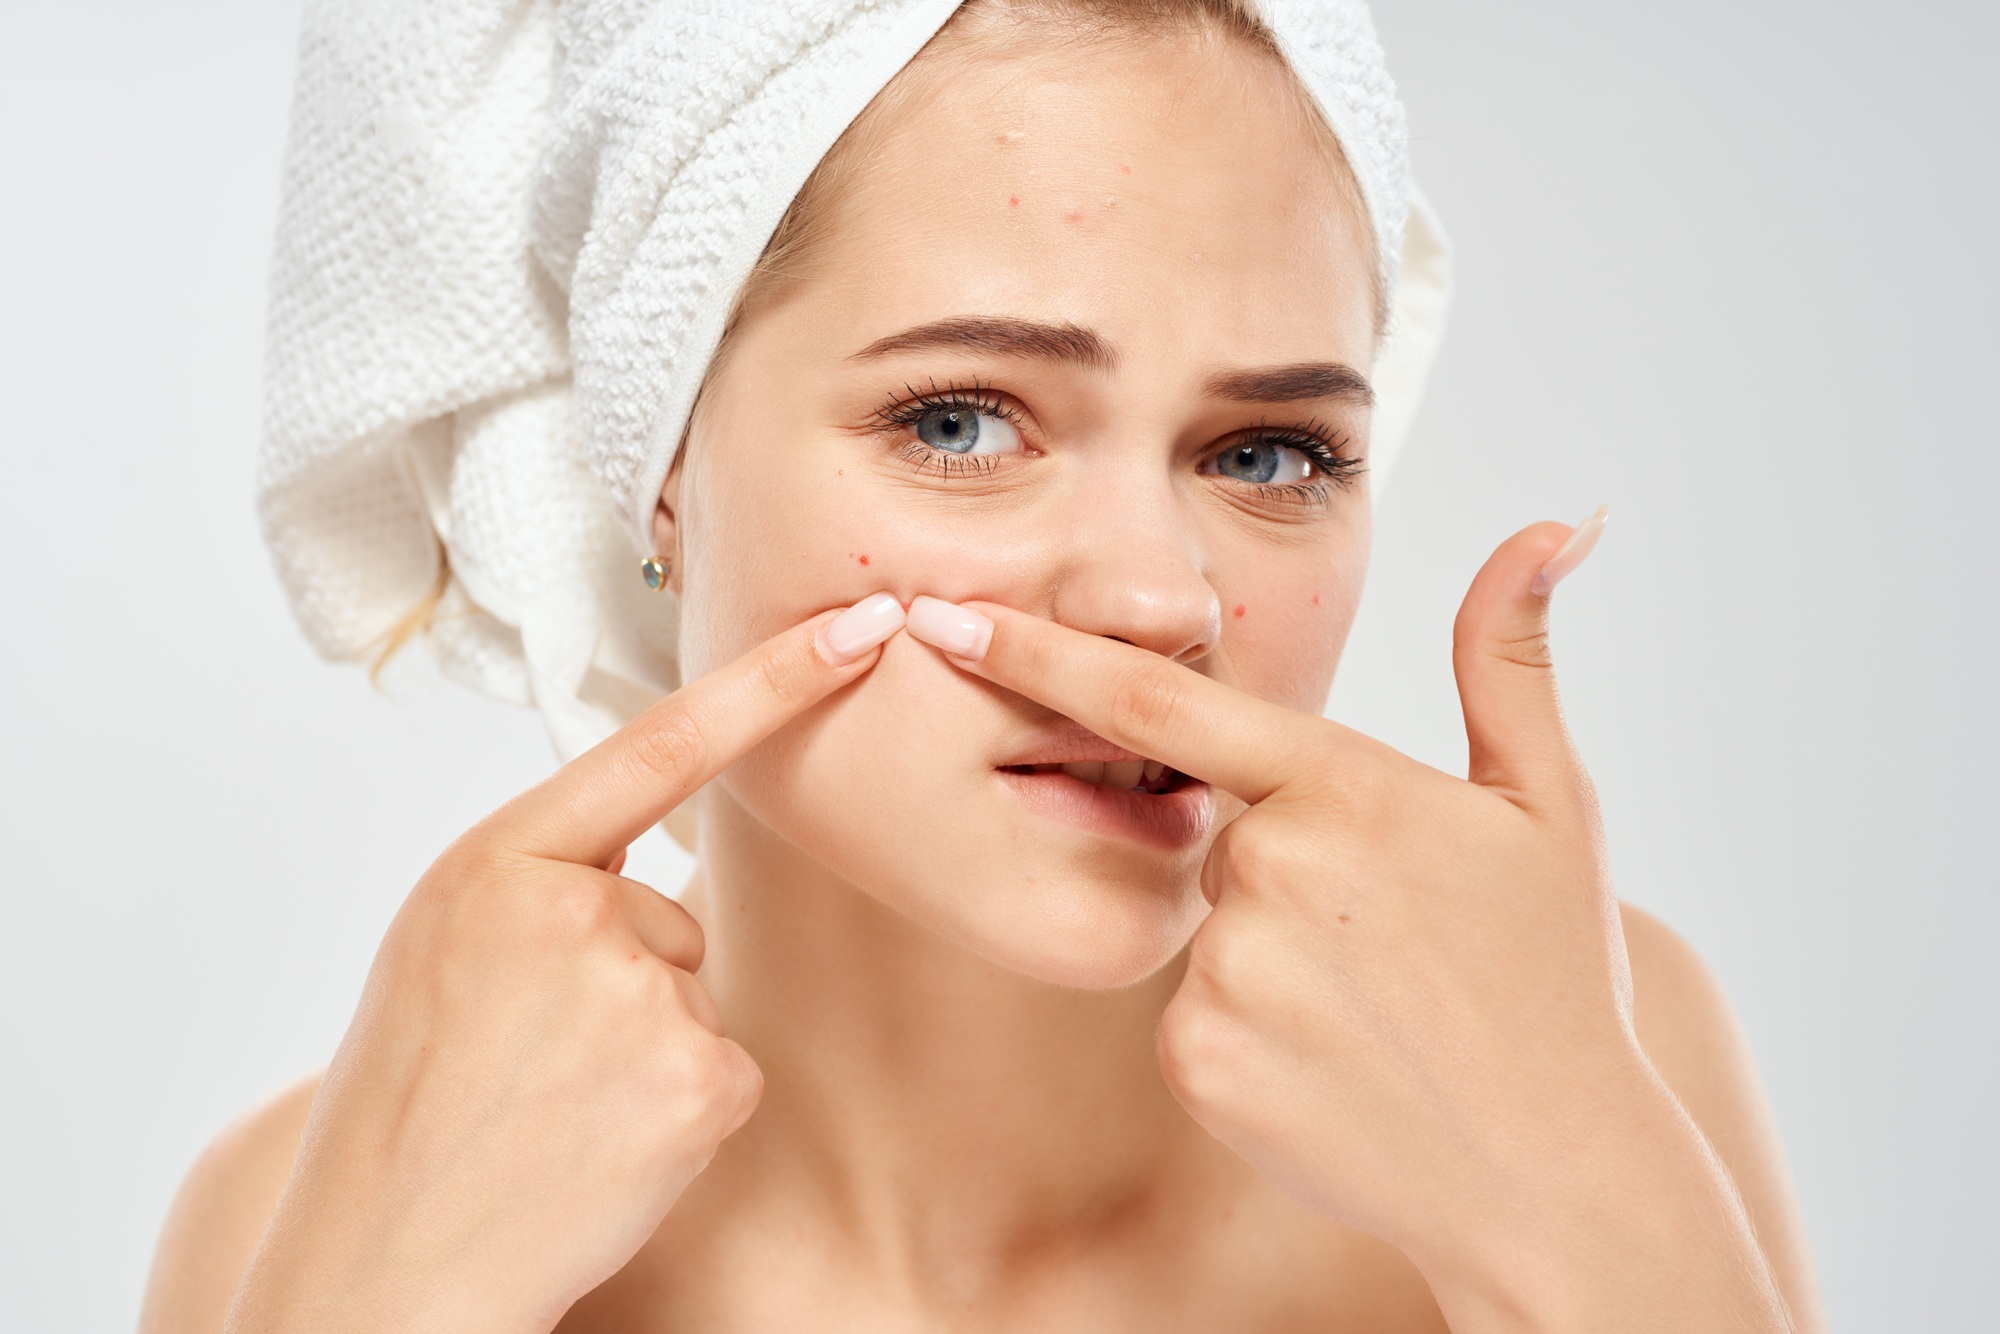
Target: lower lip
{"type": "Point", "coordinates": [1171, 820]}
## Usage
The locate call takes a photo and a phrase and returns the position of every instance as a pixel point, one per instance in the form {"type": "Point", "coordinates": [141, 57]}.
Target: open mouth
{"type": "Point", "coordinates": [1149, 777]}
{"type": "Point", "coordinates": [1138, 801]}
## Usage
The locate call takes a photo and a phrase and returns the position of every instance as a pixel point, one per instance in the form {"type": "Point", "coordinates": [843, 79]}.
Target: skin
{"type": "Point", "coordinates": [1379, 1050]}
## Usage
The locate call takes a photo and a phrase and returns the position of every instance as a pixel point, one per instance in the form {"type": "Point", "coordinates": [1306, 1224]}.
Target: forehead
{"type": "Point", "coordinates": [1161, 189]}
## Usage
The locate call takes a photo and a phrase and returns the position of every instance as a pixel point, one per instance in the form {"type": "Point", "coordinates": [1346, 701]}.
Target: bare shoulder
{"type": "Point", "coordinates": [220, 1213]}
{"type": "Point", "coordinates": [1691, 1035]}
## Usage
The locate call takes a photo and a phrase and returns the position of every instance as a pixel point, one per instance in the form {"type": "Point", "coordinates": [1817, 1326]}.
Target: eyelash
{"type": "Point", "coordinates": [915, 404]}
{"type": "Point", "coordinates": [1325, 447]}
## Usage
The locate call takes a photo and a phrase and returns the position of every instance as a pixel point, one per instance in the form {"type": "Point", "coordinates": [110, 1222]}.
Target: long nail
{"type": "Point", "coordinates": [861, 627]}
{"type": "Point", "coordinates": [1571, 553]}
{"type": "Point", "coordinates": [959, 631]}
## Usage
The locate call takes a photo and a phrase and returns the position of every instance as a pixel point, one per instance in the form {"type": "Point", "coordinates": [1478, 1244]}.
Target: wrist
{"type": "Point", "coordinates": [1630, 1223]}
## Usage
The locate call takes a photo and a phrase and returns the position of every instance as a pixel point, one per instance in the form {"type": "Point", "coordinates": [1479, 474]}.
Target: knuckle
{"type": "Point", "coordinates": [1195, 1049]}
{"type": "Point", "coordinates": [1144, 699]}
{"type": "Point", "coordinates": [1243, 857]}
{"type": "Point", "coordinates": [669, 748]}
{"type": "Point", "coordinates": [1530, 650]}
{"type": "Point", "coordinates": [574, 908]}
{"type": "Point", "coordinates": [712, 1078]}
{"type": "Point", "coordinates": [790, 676]}
{"type": "Point", "coordinates": [1224, 962]}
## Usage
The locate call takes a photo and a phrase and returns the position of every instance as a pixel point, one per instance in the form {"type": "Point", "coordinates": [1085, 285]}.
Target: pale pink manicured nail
{"type": "Point", "coordinates": [1571, 553]}
{"type": "Point", "coordinates": [959, 631]}
{"type": "Point", "coordinates": [860, 628]}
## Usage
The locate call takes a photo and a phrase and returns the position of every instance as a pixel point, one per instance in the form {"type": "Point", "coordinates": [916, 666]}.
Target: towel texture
{"type": "Point", "coordinates": [510, 234]}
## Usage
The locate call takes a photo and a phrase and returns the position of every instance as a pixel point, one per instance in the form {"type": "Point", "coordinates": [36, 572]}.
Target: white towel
{"type": "Point", "coordinates": [510, 234]}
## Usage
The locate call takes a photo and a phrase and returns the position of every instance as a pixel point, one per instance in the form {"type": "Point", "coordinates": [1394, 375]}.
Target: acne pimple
{"type": "Point", "coordinates": [1240, 609]}
{"type": "Point", "coordinates": [1127, 170]}
{"type": "Point", "coordinates": [1315, 599]}
{"type": "Point", "coordinates": [1073, 215]}
{"type": "Point", "coordinates": [1013, 201]}
{"type": "Point", "coordinates": [863, 558]}
{"type": "Point", "coordinates": [1007, 137]}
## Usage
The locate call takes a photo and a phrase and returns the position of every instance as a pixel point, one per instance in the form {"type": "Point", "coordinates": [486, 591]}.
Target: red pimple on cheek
{"type": "Point", "coordinates": [863, 558]}
{"type": "Point", "coordinates": [1073, 215]}
{"type": "Point", "coordinates": [1240, 609]}
{"type": "Point", "coordinates": [1315, 599]}
{"type": "Point", "coordinates": [1013, 201]}
{"type": "Point", "coordinates": [1127, 170]}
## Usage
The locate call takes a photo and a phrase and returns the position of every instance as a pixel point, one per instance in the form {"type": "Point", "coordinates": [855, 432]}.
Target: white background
{"type": "Point", "coordinates": [1727, 266]}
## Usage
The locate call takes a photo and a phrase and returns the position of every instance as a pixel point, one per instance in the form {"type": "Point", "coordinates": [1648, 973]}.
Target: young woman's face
{"type": "Point", "coordinates": [1087, 337]}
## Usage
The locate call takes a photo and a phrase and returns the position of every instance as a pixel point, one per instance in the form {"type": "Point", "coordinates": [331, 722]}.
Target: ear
{"type": "Point", "coordinates": [666, 527]}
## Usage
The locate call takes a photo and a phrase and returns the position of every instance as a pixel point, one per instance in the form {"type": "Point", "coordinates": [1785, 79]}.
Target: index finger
{"type": "Point", "coordinates": [598, 803]}
{"type": "Point", "coordinates": [1137, 699]}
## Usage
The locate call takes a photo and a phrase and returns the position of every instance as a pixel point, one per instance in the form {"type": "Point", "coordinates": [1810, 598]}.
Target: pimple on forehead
{"type": "Point", "coordinates": [1241, 611]}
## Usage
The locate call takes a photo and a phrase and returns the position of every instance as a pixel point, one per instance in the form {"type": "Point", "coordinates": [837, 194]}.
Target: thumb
{"type": "Point", "coordinates": [1500, 653]}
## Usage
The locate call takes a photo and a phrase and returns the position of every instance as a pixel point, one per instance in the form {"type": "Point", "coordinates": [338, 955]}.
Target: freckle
{"type": "Point", "coordinates": [863, 558]}
{"type": "Point", "coordinates": [1240, 609]}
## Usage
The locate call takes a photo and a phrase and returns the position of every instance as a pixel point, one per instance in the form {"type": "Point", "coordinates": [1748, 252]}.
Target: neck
{"type": "Point", "coordinates": [928, 1103]}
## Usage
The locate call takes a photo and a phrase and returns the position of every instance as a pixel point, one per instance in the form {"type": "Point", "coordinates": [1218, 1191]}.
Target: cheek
{"type": "Point", "coordinates": [1285, 620]}
{"type": "Point", "coordinates": [766, 548]}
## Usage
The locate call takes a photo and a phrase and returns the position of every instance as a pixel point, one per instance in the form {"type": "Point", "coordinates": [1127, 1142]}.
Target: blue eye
{"type": "Point", "coordinates": [1264, 462]}
{"type": "Point", "coordinates": [963, 429]}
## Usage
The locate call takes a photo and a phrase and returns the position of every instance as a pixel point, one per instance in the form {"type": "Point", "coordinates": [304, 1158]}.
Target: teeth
{"type": "Point", "coordinates": [1153, 770]}
{"type": "Point", "coordinates": [1123, 773]}
{"type": "Point", "coordinates": [1089, 771]}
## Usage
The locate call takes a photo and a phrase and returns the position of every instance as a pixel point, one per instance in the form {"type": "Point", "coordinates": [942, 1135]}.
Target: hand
{"type": "Point", "coordinates": [1410, 1006]}
{"type": "Point", "coordinates": [534, 1074]}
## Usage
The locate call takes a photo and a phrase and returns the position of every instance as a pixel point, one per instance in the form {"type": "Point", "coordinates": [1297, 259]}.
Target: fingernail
{"type": "Point", "coordinates": [959, 631]}
{"type": "Point", "coordinates": [1571, 554]}
{"type": "Point", "coordinates": [860, 628]}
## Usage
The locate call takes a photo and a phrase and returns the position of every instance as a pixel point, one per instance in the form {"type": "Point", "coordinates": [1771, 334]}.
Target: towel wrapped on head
{"type": "Point", "coordinates": [511, 234]}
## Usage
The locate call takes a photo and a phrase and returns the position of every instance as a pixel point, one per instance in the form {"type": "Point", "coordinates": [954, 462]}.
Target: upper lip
{"type": "Point", "coordinates": [1068, 743]}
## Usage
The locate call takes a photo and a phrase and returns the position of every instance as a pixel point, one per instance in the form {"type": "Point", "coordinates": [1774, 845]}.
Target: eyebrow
{"type": "Point", "coordinates": [1072, 344]}
{"type": "Point", "coordinates": [1068, 343]}
{"type": "Point", "coordinates": [1291, 384]}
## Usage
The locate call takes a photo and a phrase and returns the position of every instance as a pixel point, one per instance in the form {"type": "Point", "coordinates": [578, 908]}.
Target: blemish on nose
{"type": "Point", "coordinates": [1240, 609]}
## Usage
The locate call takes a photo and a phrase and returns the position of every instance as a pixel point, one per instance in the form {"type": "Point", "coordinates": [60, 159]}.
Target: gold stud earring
{"type": "Point", "coordinates": [655, 570]}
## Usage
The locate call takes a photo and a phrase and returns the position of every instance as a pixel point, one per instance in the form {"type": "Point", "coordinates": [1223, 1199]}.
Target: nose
{"type": "Point", "coordinates": [1134, 572]}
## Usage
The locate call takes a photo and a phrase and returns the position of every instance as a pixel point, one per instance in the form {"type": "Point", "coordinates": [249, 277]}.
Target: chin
{"type": "Point", "coordinates": [1058, 914]}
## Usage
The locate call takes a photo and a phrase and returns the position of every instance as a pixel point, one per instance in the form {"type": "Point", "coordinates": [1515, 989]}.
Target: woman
{"type": "Point", "coordinates": [1051, 964]}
